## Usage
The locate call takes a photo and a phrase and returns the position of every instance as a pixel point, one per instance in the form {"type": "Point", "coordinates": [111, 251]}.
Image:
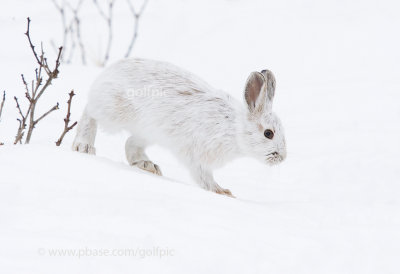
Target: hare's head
{"type": "Point", "coordinates": [263, 136]}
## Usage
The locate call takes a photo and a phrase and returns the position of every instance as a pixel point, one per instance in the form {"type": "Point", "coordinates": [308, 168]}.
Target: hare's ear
{"type": "Point", "coordinates": [271, 83]}
{"type": "Point", "coordinates": [254, 91]}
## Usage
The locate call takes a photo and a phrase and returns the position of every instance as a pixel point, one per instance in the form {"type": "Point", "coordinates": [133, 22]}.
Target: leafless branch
{"type": "Point", "coordinates": [47, 113]}
{"type": "Point", "coordinates": [71, 25]}
{"type": "Point", "coordinates": [2, 103]}
{"type": "Point", "coordinates": [1, 108]}
{"type": "Point", "coordinates": [67, 120]}
{"type": "Point", "coordinates": [102, 13]}
{"type": "Point", "coordinates": [76, 21]}
{"type": "Point", "coordinates": [27, 95]}
{"type": "Point", "coordinates": [19, 108]}
{"type": "Point", "coordinates": [61, 9]}
{"type": "Point", "coordinates": [68, 44]}
{"type": "Point", "coordinates": [71, 29]}
{"type": "Point", "coordinates": [21, 121]}
{"type": "Point", "coordinates": [136, 17]}
{"type": "Point", "coordinates": [30, 42]}
{"type": "Point", "coordinates": [38, 87]}
{"type": "Point", "coordinates": [109, 20]}
{"type": "Point", "coordinates": [72, 47]}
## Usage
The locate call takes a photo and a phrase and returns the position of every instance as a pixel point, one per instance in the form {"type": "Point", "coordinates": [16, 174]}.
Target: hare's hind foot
{"type": "Point", "coordinates": [84, 148]}
{"type": "Point", "coordinates": [134, 149]}
{"type": "Point", "coordinates": [148, 166]}
{"type": "Point", "coordinates": [85, 135]}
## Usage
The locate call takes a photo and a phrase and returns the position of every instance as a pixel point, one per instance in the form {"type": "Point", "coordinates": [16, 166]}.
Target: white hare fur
{"type": "Point", "coordinates": [157, 102]}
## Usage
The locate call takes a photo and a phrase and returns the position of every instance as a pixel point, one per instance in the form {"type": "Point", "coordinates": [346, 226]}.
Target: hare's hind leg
{"type": "Point", "coordinates": [85, 135]}
{"type": "Point", "coordinates": [134, 149]}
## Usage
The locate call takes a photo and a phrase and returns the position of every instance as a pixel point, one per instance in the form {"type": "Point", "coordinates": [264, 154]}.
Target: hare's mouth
{"type": "Point", "coordinates": [274, 158]}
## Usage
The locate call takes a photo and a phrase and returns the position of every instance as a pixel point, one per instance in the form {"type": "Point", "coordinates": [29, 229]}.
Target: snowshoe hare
{"type": "Point", "coordinates": [157, 102]}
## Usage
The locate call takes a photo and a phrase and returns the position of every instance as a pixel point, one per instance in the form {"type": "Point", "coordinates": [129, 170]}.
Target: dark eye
{"type": "Point", "coordinates": [269, 133]}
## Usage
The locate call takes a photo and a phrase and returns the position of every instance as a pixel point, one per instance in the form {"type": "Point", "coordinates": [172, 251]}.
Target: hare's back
{"type": "Point", "coordinates": [148, 95]}
{"type": "Point", "coordinates": [143, 77]}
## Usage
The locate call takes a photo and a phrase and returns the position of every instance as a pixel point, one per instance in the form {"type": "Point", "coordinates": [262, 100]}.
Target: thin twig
{"type": "Point", "coordinates": [22, 122]}
{"type": "Point", "coordinates": [61, 10]}
{"type": "Point", "coordinates": [30, 41]}
{"type": "Point", "coordinates": [72, 46]}
{"type": "Point", "coordinates": [102, 13]}
{"type": "Point", "coordinates": [76, 21]}
{"type": "Point", "coordinates": [19, 108]}
{"type": "Point", "coordinates": [51, 75]}
{"type": "Point", "coordinates": [1, 109]}
{"type": "Point", "coordinates": [67, 120]}
{"type": "Point", "coordinates": [109, 20]}
{"type": "Point", "coordinates": [136, 17]}
{"type": "Point", "coordinates": [2, 103]}
{"type": "Point", "coordinates": [47, 113]}
{"type": "Point", "coordinates": [27, 95]}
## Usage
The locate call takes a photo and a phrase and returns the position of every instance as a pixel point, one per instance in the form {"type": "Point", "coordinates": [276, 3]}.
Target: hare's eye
{"type": "Point", "coordinates": [269, 134]}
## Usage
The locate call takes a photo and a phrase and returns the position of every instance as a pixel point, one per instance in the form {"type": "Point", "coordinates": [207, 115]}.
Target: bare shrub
{"type": "Point", "coordinates": [71, 30]}
{"type": "Point", "coordinates": [34, 93]}
{"type": "Point", "coordinates": [71, 25]}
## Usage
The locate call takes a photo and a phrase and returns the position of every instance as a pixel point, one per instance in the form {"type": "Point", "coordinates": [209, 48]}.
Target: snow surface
{"type": "Point", "coordinates": [331, 207]}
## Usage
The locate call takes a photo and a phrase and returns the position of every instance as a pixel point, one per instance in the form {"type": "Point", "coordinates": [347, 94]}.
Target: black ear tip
{"type": "Point", "coordinates": [267, 73]}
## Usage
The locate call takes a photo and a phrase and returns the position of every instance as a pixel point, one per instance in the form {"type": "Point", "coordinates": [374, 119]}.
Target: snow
{"type": "Point", "coordinates": [331, 207]}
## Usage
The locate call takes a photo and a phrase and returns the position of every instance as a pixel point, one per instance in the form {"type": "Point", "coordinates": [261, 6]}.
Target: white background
{"type": "Point", "coordinates": [331, 207]}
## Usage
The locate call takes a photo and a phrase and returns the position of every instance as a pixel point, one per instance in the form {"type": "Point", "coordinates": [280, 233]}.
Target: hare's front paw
{"type": "Point", "coordinates": [224, 191]}
{"type": "Point", "coordinates": [148, 166]}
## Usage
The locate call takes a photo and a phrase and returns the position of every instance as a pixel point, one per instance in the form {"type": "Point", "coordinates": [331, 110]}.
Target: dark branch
{"type": "Point", "coordinates": [2, 103]}
{"type": "Point", "coordinates": [27, 95]}
{"type": "Point", "coordinates": [19, 108]}
{"type": "Point", "coordinates": [30, 41]}
{"type": "Point", "coordinates": [39, 85]}
{"type": "Point", "coordinates": [47, 113]}
{"type": "Point", "coordinates": [67, 120]}
{"type": "Point", "coordinates": [22, 122]}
